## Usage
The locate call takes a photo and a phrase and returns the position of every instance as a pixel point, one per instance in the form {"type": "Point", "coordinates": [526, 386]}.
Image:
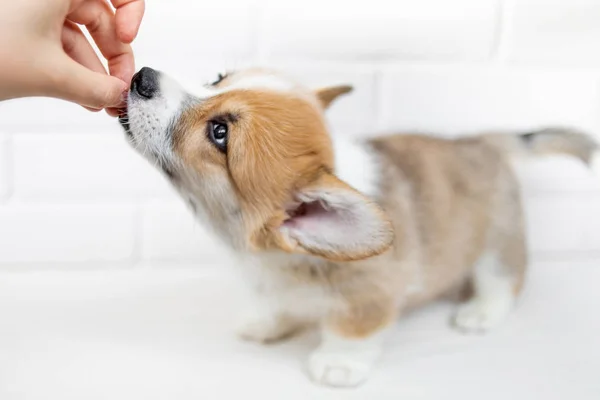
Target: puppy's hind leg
{"type": "Point", "coordinates": [497, 281]}
{"type": "Point", "coordinates": [499, 273]}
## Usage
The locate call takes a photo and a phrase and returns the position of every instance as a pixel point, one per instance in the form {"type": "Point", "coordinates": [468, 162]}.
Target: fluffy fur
{"type": "Point", "coordinates": [348, 235]}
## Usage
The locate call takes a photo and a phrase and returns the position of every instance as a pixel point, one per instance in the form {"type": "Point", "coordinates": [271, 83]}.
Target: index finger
{"type": "Point", "coordinates": [129, 17]}
{"type": "Point", "coordinates": [99, 19]}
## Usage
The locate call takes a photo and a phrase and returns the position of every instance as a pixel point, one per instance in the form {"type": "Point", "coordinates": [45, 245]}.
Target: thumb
{"type": "Point", "coordinates": [88, 88]}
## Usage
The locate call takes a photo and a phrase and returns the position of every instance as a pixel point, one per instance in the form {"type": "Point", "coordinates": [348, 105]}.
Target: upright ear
{"type": "Point", "coordinates": [334, 221]}
{"type": "Point", "coordinates": [329, 94]}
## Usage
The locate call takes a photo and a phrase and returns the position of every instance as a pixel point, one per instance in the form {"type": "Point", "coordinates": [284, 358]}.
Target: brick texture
{"type": "Point", "coordinates": [82, 167]}
{"type": "Point", "coordinates": [555, 32]}
{"type": "Point", "coordinates": [170, 233]}
{"type": "Point", "coordinates": [72, 191]}
{"type": "Point", "coordinates": [66, 233]}
{"type": "Point", "coordinates": [5, 164]}
{"type": "Point", "coordinates": [563, 223]}
{"type": "Point", "coordinates": [459, 98]}
{"type": "Point", "coordinates": [429, 29]}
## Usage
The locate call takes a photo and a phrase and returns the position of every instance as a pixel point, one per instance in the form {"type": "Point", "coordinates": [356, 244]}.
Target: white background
{"type": "Point", "coordinates": [73, 195]}
{"type": "Point", "coordinates": [92, 306]}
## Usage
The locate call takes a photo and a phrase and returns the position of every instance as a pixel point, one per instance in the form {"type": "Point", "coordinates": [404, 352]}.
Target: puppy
{"type": "Point", "coordinates": [347, 234]}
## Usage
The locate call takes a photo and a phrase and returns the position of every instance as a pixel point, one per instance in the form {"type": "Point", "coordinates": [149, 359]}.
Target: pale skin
{"type": "Point", "coordinates": [45, 53]}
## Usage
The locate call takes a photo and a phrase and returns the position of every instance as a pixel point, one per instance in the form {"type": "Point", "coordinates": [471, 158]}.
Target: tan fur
{"type": "Point", "coordinates": [265, 162]}
{"type": "Point", "coordinates": [442, 207]}
{"type": "Point", "coordinates": [448, 201]}
{"type": "Point", "coordinates": [278, 146]}
{"type": "Point", "coordinates": [328, 95]}
{"type": "Point", "coordinates": [463, 201]}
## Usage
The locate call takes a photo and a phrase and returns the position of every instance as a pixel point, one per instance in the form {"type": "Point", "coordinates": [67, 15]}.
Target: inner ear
{"type": "Point", "coordinates": [336, 222]}
{"type": "Point", "coordinates": [327, 95]}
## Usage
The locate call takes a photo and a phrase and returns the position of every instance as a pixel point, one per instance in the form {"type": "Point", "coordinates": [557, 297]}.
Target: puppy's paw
{"type": "Point", "coordinates": [480, 315]}
{"type": "Point", "coordinates": [266, 330]}
{"type": "Point", "coordinates": [340, 369]}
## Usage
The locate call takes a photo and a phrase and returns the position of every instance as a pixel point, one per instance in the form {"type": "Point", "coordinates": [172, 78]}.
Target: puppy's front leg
{"type": "Point", "coordinates": [351, 344]}
{"type": "Point", "coordinates": [264, 321]}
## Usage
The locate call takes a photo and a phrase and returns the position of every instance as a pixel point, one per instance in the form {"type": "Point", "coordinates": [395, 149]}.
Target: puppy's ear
{"type": "Point", "coordinates": [333, 221]}
{"type": "Point", "coordinates": [327, 95]}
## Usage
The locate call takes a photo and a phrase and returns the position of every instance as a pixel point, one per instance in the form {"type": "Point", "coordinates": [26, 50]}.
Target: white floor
{"type": "Point", "coordinates": [156, 334]}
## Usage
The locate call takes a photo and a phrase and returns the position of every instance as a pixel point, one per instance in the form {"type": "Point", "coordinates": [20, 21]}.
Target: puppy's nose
{"type": "Point", "coordinates": [145, 82]}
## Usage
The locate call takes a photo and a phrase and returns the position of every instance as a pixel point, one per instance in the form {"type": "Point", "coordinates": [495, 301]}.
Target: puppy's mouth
{"type": "Point", "coordinates": [124, 122]}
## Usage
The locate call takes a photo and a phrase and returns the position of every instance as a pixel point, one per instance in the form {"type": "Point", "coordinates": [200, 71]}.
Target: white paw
{"type": "Point", "coordinates": [266, 330]}
{"type": "Point", "coordinates": [258, 331]}
{"type": "Point", "coordinates": [479, 315]}
{"type": "Point", "coordinates": [341, 369]}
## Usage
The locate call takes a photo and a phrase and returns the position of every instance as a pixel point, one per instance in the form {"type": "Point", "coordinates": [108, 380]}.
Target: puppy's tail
{"type": "Point", "coordinates": [549, 141]}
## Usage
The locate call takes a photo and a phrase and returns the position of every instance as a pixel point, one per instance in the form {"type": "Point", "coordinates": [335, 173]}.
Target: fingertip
{"type": "Point", "coordinates": [120, 89]}
{"type": "Point", "coordinates": [113, 112]}
{"type": "Point", "coordinates": [108, 92]}
{"type": "Point", "coordinates": [126, 35]}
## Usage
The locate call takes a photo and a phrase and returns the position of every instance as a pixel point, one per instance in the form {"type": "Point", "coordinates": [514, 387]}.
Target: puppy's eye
{"type": "Point", "coordinates": [220, 77]}
{"type": "Point", "coordinates": [218, 134]}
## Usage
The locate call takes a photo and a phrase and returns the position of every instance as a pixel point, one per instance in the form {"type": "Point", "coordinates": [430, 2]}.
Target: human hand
{"type": "Point", "coordinates": [45, 53]}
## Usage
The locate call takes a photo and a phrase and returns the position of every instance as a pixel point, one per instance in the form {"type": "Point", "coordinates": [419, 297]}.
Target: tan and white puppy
{"type": "Point", "coordinates": [346, 234]}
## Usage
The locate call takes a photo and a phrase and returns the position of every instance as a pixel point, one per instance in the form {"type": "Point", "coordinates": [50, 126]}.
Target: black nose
{"type": "Point", "coordinates": [145, 82]}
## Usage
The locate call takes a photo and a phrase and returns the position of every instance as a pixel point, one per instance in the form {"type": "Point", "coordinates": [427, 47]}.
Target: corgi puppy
{"type": "Point", "coordinates": [346, 234]}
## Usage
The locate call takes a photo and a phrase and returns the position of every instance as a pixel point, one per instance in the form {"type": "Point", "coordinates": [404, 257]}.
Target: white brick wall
{"type": "Point", "coordinates": [563, 32]}
{"type": "Point", "coordinates": [463, 97]}
{"type": "Point", "coordinates": [72, 193]}
{"type": "Point", "coordinates": [67, 233]}
{"type": "Point", "coordinates": [5, 164]}
{"type": "Point", "coordinates": [379, 29]}
{"type": "Point", "coordinates": [78, 167]}
{"type": "Point", "coordinates": [169, 234]}
{"type": "Point", "coordinates": [564, 223]}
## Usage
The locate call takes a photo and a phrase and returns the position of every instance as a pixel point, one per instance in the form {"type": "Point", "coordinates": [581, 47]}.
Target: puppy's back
{"type": "Point", "coordinates": [444, 197]}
